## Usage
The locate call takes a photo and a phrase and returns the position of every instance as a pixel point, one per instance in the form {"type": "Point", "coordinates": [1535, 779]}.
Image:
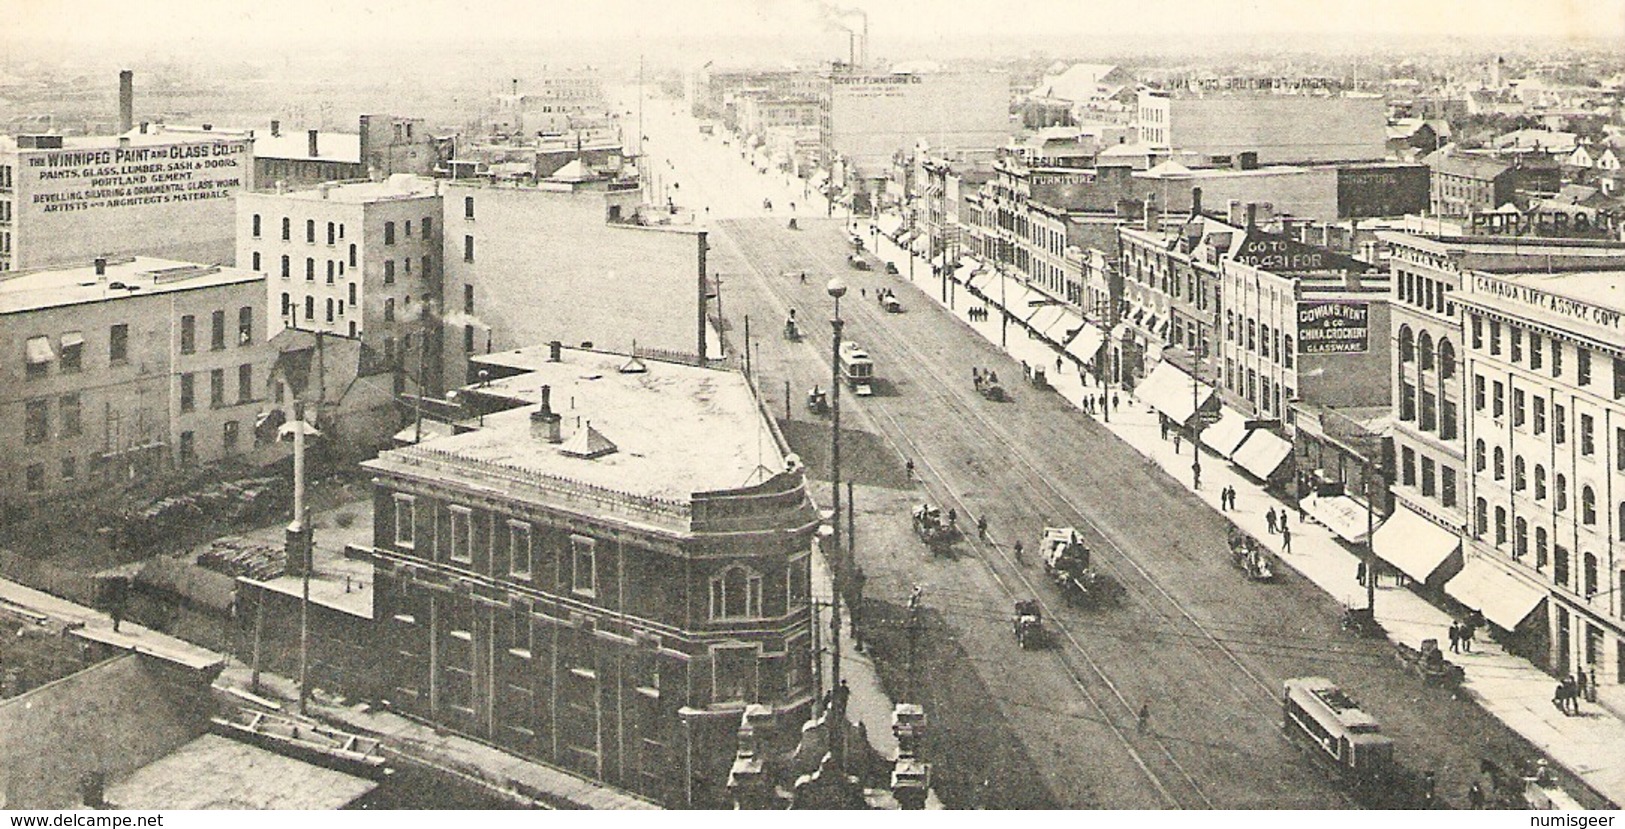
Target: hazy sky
{"type": "Point", "coordinates": [258, 23]}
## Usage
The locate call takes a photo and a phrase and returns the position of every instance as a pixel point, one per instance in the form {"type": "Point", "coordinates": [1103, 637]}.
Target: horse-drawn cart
{"type": "Point", "coordinates": [937, 531]}
{"type": "Point", "coordinates": [1429, 663]}
{"type": "Point", "coordinates": [1066, 564]}
{"type": "Point", "coordinates": [987, 384]}
{"type": "Point", "coordinates": [1028, 625]}
{"type": "Point", "coordinates": [1250, 557]}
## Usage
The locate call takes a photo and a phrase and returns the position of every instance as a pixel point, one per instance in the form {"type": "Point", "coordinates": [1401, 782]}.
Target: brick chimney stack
{"type": "Point", "coordinates": [312, 135]}
{"type": "Point", "coordinates": [126, 100]}
{"type": "Point", "coordinates": [544, 422]}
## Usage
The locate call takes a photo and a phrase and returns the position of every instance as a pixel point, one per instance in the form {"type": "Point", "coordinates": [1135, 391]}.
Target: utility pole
{"type": "Point", "coordinates": [298, 545]}
{"type": "Point", "coordinates": [836, 290]}
{"type": "Point", "coordinates": [1370, 545]}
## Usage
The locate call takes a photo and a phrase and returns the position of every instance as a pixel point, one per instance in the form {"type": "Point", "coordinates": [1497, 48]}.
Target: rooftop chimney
{"type": "Point", "coordinates": [143, 127]}
{"type": "Point", "coordinates": [313, 152]}
{"type": "Point", "coordinates": [1232, 213]}
{"type": "Point", "coordinates": [1252, 214]}
{"type": "Point", "coordinates": [101, 266]}
{"type": "Point", "coordinates": [544, 422]}
{"type": "Point", "coordinates": [276, 128]}
{"type": "Point", "coordinates": [1150, 223]}
{"type": "Point", "coordinates": [555, 351]}
{"type": "Point", "coordinates": [1196, 201]}
{"type": "Point", "coordinates": [126, 100]}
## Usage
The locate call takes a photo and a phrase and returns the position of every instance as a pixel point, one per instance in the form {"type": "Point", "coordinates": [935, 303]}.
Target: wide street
{"type": "Point", "coordinates": [1203, 650]}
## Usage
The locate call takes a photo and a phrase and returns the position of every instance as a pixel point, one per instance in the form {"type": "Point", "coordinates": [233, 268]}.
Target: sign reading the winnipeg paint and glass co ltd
{"type": "Point", "coordinates": [1333, 327]}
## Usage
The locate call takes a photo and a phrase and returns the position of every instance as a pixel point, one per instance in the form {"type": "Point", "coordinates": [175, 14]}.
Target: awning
{"type": "Point", "coordinates": [1502, 598]}
{"type": "Point", "coordinates": [980, 280]}
{"type": "Point", "coordinates": [889, 224]}
{"type": "Point", "coordinates": [39, 350]}
{"type": "Point", "coordinates": [1262, 452]}
{"type": "Point", "coordinates": [1339, 513]}
{"type": "Point", "coordinates": [73, 338]}
{"type": "Point", "coordinates": [1226, 433]}
{"type": "Point", "coordinates": [1169, 390]}
{"type": "Point", "coordinates": [1017, 297]}
{"type": "Point", "coordinates": [1086, 344]}
{"type": "Point", "coordinates": [967, 268]}
{"type": "Point", "coordinates": [1414, 544]}
{"type": "Point", "coordinates": [1064, 326]}
{"type": "Point", "coordinates": [1044, 317]}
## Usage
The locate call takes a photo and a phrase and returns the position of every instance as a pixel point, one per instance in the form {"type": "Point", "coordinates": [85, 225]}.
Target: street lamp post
{"type": "Point", "coordinates": [1196, 427]}
{"type": "Point", "coordinates": [836, 289]}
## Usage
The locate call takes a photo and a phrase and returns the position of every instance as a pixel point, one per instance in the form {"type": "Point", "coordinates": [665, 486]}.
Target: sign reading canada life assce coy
{"type": "Point", "coordinates": [1333, 327]}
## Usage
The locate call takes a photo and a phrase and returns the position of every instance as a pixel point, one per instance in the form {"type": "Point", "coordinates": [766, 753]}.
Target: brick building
{"type": "Point", "coordinates": [603, 573]}
{"type": "Point", "coordinates": [128, 367]}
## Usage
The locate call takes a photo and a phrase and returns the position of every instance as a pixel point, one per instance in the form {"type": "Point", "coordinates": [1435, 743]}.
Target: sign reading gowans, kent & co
{"type": "Point", "coordinates": [1333, 327]}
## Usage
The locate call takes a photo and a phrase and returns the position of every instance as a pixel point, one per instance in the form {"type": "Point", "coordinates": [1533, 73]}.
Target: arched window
{"type": "Point", "coordinates": [736, 593]}
{"type": "Point", "coordinates": [1520, 480]}
{"type": "Point", "coordinates": [1561, 484]}
{"type": "Point", "coordinates": [1481, 518]}
{"type": "Point", "coordinates": [1540, 548]}
{"type": "Point", "coordinates": [1540, 483]}
{"type": "Point", "coordinates": [1621, 525]}
{"type": "Point", "coordinates": [1590, 574]}
{"type": "Point", "coordinates": [1407, 344]}
{"type": "Point", "coordinates": [1478, 456]}
{"type": "Point", "coordinates": [1588, 506]}
{"type": "Point", "coordinates": [1424, 345]}
{"type": "Point", "coordinates": [1520, 538]}
{"type": "Point", "coordinates": [1500, 463]}
{"type": "Point", "coordinates": [1447, 359]}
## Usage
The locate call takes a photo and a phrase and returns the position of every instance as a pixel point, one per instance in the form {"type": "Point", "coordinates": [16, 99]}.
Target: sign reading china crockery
{"type": "Point", "coordinates": [1333, 327]}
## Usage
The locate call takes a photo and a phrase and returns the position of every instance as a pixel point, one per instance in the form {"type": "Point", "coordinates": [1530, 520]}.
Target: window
{"type": "Point", "coordinates": [1500, 469]}
{"type": "Point", "coordinates": [332, 233]}
{"type": "Point", "coordinates": [1407, 401]}
{"type": "Point", "coordinates": [1430, 415]}
{"type": "Point", "coordinates": [1447, 485]}
{"type": "Point", "coordinates": [310, 308]}
{"type": "Point", "coordinates": [310, 269]}
{"type": "Point", "coordinates": [405, 521]}
{"type": "Point", "coordinates": [245, 325]}
{"type": "Point", "coordinates": [1447, 421]}
{"type": "Point", "coordinates": [187, 453]}
{"type": "Point", "coordinates": [1520, 538]}
{"type": "Point", "coordinates": [1515, 336]}
{"type": "Point", "coordinates": [68, 415]}
{"type": "Point", "coordinates": [1478, 392]}
{"type": "Point", "coordinates": [389, 309]}
{"type": "Point", "coordinates": [1517, 407]}
{"type": "Point", "coordinates": [217, 330]}
{"type": "Point", "coordinates": [73, 352]}
{"type": "Point", "coordinates": [468, 299]}
{"type": "Point", "coordinates": [1286, 351]}
{"type": "Point", "coordinates": [329, 309]}
{"type": "Point", "coordinates": [1540, 548]}
{"type": "Point", "coordinates": [37, 421]}
{"type": "Point", "coordinates": [1264, 341]}
{"type": "Point", "coordinates": [583, 565]}
{"type": "Point", "coordinates": [1619, 378]}
{"type": "Point", "coordinates": [468, 208]}
{"type": "Point", "coordinates": [1520, 481]}
{"type": "Point", "coordinates": [1500, 526]}
{"type": "Point", "coordinates": [229, 433]}
{"type": "Point", "coordinates": [1540, 415]}
{"type": "Point", "coordinates": [1560, 492]}
{"type": "Point", "coordinates": [389, 233]}
{"type": "Point", "coordinates": [352, 255]}
{"type": "Point", "coordinates": [519, 549]}
{"type": "Point", "coordinates": [1429, 477]}
{"type": "Point", "coordinates": [1481, 518]}
{"type": "Point", "coordinates": [462, 534]}
{"type": "Point", "coordinates": [217, 388]}
{"type": "Point", "coordinates": [428, 227]}
{"type": "Point", "coordinates": [468, 248]}
{"type": "Point", "coordinates": [36, 477]}
{"type": "Point", "coordinates": [468, 339]}
{"type": "Point", "coordinates": [1498, 399]}
{"type": "Point", "coordinates": [256, 226]}
{"type": "Point", "coordinates": [256, 260]}
{"type": "Point", "coordinates": [1408, 466]}
{"type": "Point", "coordinates": [389, 272]}
{"type": "Point", "coordinates": [1540, 482]}
{"type": "Point", "coordinates": [1588, 506]}
{"type": "Point", "coordinates": [1424, 351]}
{"type": "Point", "coordinates": [1495, 337]}
{"type": "Point", "coordinates": [1447, 359]}
{"type": "Point", "coordinates": [287, 229]}
{"type": "Point", "coordinates": [1560, 426]}
{"type": "Point", "coordinates": [1479, 454]}
{"type": "Point", "coordinates": [330, 271]}
{"type": "Point", "coordinates": [188, 392]}
{"type": "Point", "coordinates": [1582, 366]}
{"type": "Point", "coordinates": [1478, 333]}
{"type": "Point", "coordinates": [1588, 437]}
{"type": "Point", "coordinates": [1557, 358]}
{"type": "Point", "coordinates": [310, 231]}
{"type": "Point", "coordinates": [408, 228]}
{"type": "Point", "coordinates": [736, 593]}
{"type": "Point", "coordinates": [285, 266]}
{"type": "Point", "coordinates": [118, 344]}
{"type": "Point", "coordinates": [245, 383]}
{"type": "Point", "coordinates": [1588, 574]}
{"type": "Point", "coordinates": [1560, 565]}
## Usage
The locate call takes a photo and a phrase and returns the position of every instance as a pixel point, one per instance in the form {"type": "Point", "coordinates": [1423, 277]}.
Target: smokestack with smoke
{"type": "Point", "coordinates": [837, 17]}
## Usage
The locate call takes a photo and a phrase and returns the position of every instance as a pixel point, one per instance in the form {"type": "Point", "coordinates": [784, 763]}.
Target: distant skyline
{"type": "Point", "coordinates": [212, 25]}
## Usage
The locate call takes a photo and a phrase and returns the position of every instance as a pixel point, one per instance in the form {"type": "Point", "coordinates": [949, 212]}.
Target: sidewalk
{"type": "Point", "coordinates": [1591, 746]}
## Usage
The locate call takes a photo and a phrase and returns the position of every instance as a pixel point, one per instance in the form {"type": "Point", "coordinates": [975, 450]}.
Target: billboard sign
{"type": "Point", "coordinates": [1333, 327]}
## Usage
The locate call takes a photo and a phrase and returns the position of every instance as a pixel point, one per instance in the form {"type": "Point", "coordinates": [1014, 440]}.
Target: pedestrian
{"type": "Point", "coordinates": [1286, 535]}
{"type": "Point", "coordinates": [1017, 549]}
{"type": "Point", "coordinates": [863, 292]}
{"type": "Point", "coordinates": [1571, 705]}
{"type": "Point", "coordinates": [1579, 685]}
{"type": "Point", "coordinates": [1560, 697]}
{"type": "Point", "coordinates": [1455, 638]}
{"type": "Point", "coordinates": [1466, 638]}
{"type": "Point", "coordinates": [1359, 577]}
{"type": "Point", "coordinates": [1142, 722]}
{"type": "Point", "coordinates": [1591, 694]}
{"type": "Point", "coordinates": [953, 517]}
{"type": "Point", "coordinates": [1057, 363]}
{"type": "Point", "coordinates": [1114, 401]}
{"type": "Point", "coordinates": [1176, 443]}
{"type": "Point", "coordinates": [803, 277]}
{"type": "Point", "coordinates": [1475, 796]}
{"type": "Point", "coordinates": [1162, 424]}
{"type": "Point", "coordinates": [908, 470]}
{"type": "Point", "coordinates": [1269, 520]}
{"type": "Point", "coordinates": [981, 528]}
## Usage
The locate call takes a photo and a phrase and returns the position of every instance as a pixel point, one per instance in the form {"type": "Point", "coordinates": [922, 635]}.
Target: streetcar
{"type": "Point", "coordinates": [856, 368]}
{"type": "Point", "coordinates": [1316, 712]}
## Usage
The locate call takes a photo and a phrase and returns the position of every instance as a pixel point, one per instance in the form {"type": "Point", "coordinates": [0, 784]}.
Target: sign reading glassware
{"type": "Point", "coordinates": [1333, 327]}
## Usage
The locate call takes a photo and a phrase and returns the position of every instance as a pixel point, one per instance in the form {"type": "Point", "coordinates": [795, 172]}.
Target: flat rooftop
{"type": "Point", "coordinates": [156, 135]}
{"type": "Point", "coordinates": [398, 186]}
{"type": "Point", "coordinates": [1602, 290]}
{"type": "Point", "coordinates": [294, 145]}
{"type": "Point", "coordinates": [676, 429]}
{"type": "Point", "coordinates": [215, 772]}
{"type": "Point", "coordinates": [52, 287]}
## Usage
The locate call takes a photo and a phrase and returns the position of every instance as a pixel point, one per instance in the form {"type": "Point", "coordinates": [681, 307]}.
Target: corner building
{"type": "Point", "coordinates": [1545, 359]}
{"type": "Point", "coordinates": [603, 575]}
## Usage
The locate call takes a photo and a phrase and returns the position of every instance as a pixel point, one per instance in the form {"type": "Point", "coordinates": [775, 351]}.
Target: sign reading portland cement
{"type": "Point", "coordinates": [100, 179]}
{"type": "Point", "coordinates": [1333, 327]}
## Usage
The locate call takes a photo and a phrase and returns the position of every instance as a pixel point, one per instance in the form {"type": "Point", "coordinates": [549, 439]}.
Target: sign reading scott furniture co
{"type": "Point", "coordinates": [1333, 327]}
